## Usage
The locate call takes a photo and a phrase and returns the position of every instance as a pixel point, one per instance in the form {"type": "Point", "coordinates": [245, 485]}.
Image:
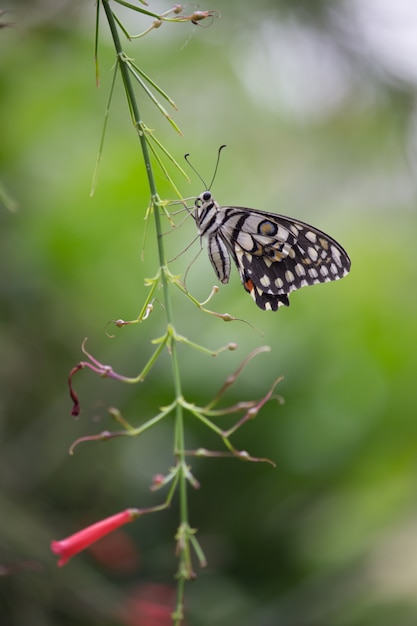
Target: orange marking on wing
{"type": "Point", "coordinates": [248, 285]}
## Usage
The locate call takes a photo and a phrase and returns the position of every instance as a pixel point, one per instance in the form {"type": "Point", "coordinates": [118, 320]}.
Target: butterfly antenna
{"type": "Point", "coordinates": [217, 165]}
{"type": "Point", "coordinates": [186, 157]}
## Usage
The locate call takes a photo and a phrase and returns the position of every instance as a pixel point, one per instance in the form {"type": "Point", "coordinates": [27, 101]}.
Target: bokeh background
{"type": "Point", "coordinates": [316, 102]}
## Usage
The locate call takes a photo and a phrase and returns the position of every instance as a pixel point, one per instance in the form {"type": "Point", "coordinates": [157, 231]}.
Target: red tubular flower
{"type": "Point", "coordinates": [66, 548]}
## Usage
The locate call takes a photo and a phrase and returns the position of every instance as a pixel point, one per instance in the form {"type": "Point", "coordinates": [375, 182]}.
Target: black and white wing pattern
{"type": "Point", "coordinates": [273, 254]}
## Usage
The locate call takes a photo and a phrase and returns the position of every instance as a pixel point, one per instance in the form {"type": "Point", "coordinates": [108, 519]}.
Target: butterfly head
{"type": "Point", "coordinates": [203, 199]}
{"type": "Point", "coordinates": [206, 211]}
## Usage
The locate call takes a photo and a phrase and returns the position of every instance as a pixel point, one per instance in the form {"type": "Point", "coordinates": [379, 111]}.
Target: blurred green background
{"type": "Point", "coordinates": [316, 102]}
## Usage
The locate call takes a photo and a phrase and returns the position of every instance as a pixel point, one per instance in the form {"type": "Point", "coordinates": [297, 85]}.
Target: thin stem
{"type": "Point", "coordinates": [179, 422]}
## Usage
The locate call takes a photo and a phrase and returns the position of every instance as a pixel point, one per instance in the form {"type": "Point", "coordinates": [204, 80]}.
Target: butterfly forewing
{"type": "Point", "coordinates": [274, 254]}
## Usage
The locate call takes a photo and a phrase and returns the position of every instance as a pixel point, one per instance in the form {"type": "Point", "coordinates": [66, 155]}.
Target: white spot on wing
{"type": "Point", "coordinates": [311, 236]}
{"type": "Point", "coordinates": [245, 240]}
{"type": "Point", "coordinates": [282, 233]}
{"type": "Point", "coordinates": [336, 255]}
{"type": "Point", "coordinates": [299, 270]}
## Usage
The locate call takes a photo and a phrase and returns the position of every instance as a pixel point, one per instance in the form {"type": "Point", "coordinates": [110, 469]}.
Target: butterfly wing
{"type": "Point", "coordinates": [276, 255]}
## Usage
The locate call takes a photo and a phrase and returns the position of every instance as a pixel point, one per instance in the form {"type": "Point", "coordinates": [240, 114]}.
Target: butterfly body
{"type": "Point", "coordinates": [274, 254]}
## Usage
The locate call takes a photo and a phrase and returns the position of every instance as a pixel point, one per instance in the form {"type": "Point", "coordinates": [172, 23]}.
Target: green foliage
{"type": "Point", "coordinates": [327, 537]}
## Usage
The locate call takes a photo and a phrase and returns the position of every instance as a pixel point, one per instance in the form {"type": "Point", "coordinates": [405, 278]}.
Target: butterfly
{"type": "Point", "coordinates": [274, 254]}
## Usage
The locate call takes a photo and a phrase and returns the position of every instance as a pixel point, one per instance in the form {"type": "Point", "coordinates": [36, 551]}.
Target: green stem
{"type": "Point", "coordinates": [179, 422]}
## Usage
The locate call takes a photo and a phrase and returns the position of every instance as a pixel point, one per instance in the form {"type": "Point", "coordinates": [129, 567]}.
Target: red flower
{"type": "Point", "coordinates": [150, 605]}
{"type": "Point", "coordinates": [66, 548]}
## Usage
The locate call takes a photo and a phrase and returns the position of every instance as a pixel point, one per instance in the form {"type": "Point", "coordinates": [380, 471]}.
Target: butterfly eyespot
{"type": "Point", "coordinates": [266, 227]}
